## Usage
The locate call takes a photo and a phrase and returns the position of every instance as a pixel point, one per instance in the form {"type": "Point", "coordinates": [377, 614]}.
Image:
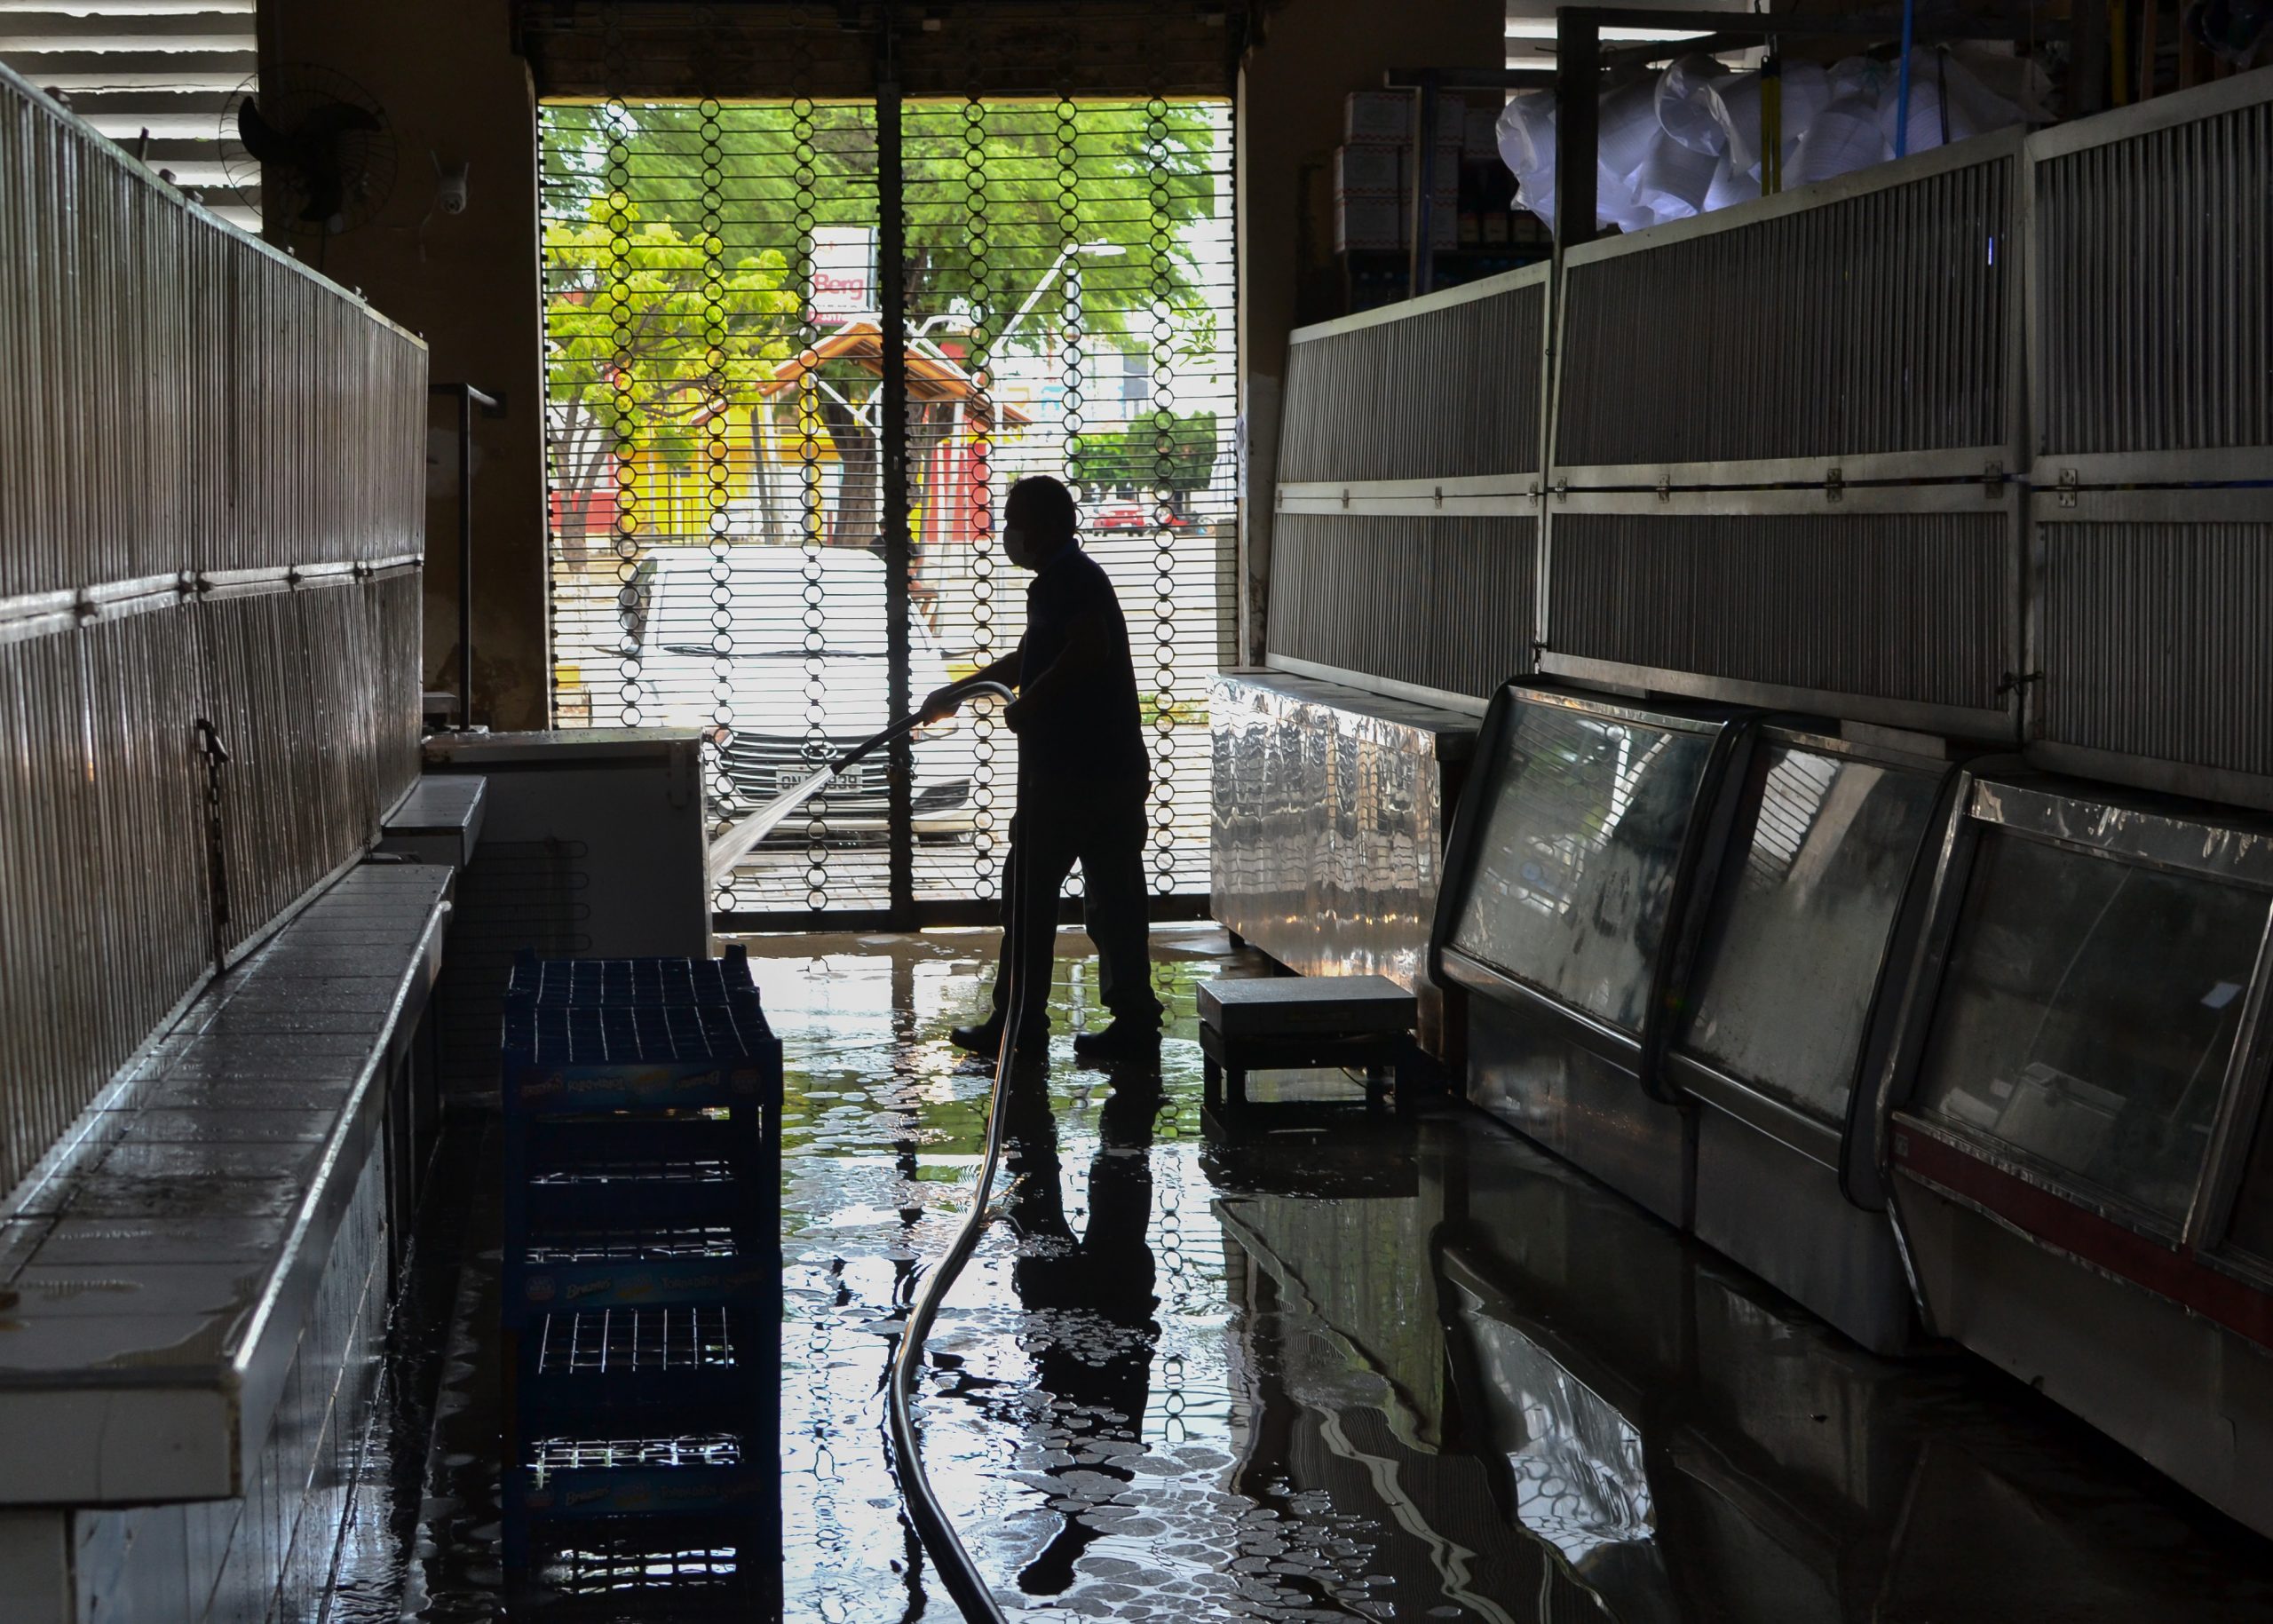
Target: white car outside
{"type": "Point", "coordinates": [752, 631]}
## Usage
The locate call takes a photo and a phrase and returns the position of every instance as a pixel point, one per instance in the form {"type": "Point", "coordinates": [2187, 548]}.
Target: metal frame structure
{"type": "Point", "coordinates": [2148, 663]}
{"type": "Point", "coordinates": [1992, 461]}
{"type": "Point", "coordinates": [1905, 699]}
{"type": "Point", "coordinates": [1511, 491]}
{"type": "Point", "coordinates": [2144, 658]}
{"type": "Point", "coordinates": [2123, 405]}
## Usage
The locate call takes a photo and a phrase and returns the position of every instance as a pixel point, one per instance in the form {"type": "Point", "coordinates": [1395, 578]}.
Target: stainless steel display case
{"type": "Point", "coordinates": [2079, 1159]}
{"type": "Point", "coordinates": [1791, 1009]}
{"type": "Point", "coordinates": [1327, 834]}
{"type": "Point", "coordinates": [1587, 831]}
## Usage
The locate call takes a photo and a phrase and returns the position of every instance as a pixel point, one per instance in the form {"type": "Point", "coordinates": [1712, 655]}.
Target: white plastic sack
{"type": "Point", "coordinates": [1688, 140]}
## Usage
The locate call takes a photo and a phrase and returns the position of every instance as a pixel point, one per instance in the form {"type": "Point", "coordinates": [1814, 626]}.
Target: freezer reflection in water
{"type": "Point", "coordinates": [1575, 1475]}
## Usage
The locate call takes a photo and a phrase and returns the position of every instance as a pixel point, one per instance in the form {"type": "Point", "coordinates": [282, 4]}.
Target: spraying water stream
{"type": "Point", "coordinates": [736, 843]}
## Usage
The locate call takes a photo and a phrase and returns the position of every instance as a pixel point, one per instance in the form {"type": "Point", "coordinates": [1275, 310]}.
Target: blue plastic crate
{"type": "Point", "coordinates": [586, 1058]}
{"type": "Point", "coordinates": [626, 983]}
{"type": "Point", "coordinates": [643, 1282]}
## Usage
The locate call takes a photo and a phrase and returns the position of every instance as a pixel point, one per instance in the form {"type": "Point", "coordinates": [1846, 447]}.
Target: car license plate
{"type": "Point", "coordinates": [788, 778]}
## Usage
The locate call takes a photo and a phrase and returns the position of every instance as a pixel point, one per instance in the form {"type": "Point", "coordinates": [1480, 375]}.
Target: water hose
{"type": "Point", "coordinates": [957, 1571]}
{"type": "Point", "coordinates": [736, 843]}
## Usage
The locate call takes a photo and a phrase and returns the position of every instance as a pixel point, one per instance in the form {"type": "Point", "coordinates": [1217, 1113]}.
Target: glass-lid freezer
{"type": "Point", "coordinates": [1791, 1006]}
{"type": "Point", "coordinates": [1587, 827]}
{"type": "Point", "coordinates": [2080, 1085]}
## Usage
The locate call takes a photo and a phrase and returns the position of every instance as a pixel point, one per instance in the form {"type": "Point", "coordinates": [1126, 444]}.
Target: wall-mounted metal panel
{"type": "Point", "coordinates": [1330, 806]}
{"type": "Point", "coordinates": [1443, 386]}
{"type": "Point", "coordinates": [1869, 324]}
{"type": "Point", "coordinates": [2152, 311]}
{"type": "Point", "coordinates": [2149, 613]}
{"type": "Point", "coordinates": [1898, 607]}
{"type": "Point", "coordinates": [1433, 602]}
{"type": "Point", "coordinates": [213, 510]}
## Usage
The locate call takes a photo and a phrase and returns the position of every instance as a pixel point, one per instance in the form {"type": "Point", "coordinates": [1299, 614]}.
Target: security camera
{"type": "Point", "coordinates": [450, 186]}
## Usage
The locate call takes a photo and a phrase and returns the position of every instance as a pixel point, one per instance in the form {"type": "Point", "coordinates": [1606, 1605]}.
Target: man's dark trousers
{"type": "Point", "coordinates": [1103, 827]}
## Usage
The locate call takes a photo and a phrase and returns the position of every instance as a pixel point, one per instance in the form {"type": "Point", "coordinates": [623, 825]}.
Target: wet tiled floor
{"type": "Point", "coordinates": [1333, 1367]}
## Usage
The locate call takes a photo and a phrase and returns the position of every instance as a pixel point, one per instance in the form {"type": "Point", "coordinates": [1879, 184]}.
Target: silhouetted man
{"type": "Point", "coordinates": [1083, 780]}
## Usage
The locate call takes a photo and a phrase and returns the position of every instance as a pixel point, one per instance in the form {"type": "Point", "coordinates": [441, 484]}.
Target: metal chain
{"type": "Point", "coordinates": [1163, 357]}
{"type": "Point", "coordinates": [1070, 357]}
{"type": "Point", "coordinates": [986, 877]}
{"type": "Point", "coordinates": [567, 535]}
{"type": "Point", "coordinates": [716, 468]}
{"type": "Point", "coordinates": [624, 427]}
{"type": "Point", "coordinates": [813, 520]}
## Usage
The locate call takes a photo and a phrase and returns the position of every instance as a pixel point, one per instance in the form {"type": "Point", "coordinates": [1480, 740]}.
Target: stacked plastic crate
{"type": "Point", "coordinates": [642, 1267]}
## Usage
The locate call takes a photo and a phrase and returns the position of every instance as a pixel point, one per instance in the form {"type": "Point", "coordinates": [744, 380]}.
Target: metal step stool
{"type": "Point", "coordinates": [1299, 1023]}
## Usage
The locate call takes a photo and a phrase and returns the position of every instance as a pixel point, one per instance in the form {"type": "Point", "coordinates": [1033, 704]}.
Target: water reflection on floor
{"type": "Point", "coordinates": [1407, 1369]}
{"type": "Point", "coordinates": [1340, 1367]}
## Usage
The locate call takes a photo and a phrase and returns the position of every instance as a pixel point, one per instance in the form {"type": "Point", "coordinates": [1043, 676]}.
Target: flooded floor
{"type": "Point", "coordinates": [1333, 1366]}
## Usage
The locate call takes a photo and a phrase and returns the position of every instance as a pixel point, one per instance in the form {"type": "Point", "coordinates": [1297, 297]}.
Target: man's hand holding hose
{"type": "Point", "coordinates": [941, 703]}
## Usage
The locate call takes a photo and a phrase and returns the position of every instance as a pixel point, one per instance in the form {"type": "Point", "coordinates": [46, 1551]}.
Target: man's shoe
{"type": "Point", "coordinates": [986, 1039]}
{"type": "Point", "coordinates": [1124, 1040]}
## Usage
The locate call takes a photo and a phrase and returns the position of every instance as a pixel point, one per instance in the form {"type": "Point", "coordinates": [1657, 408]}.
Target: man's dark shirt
{"type": "Point", "coordinates": [1092, 735]}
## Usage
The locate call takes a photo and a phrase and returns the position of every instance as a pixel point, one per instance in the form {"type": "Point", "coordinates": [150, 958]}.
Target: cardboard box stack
{"type": "Point", "coordinates": [1374, 172]}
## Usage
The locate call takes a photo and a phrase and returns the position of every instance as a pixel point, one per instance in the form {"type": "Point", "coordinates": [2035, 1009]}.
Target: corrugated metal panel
{"type": "Point", "coordinates": [396, 606]}
{"type": "Point", "coordinates": [185, 403]}
{"type": "Point", "coordinates": [2153, 640]}
{"type": "Point", "coordinates": [1851, 318]}
{"type": "Point", "coordinates": [51, 1021]}
{"type": "Point", "coordinates": [140, 708]}
{"type": "Point", "coordinates": [1438, 603]}
{"type": "Point", "coordinates": [1448, 391]}
{"type": "Point", "coordinates": [2155, 310]}
{"type": "Point", "coordinates": [1899, 607]}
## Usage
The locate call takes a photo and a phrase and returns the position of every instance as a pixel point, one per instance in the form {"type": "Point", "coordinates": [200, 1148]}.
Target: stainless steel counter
{"type": "Point", "coordinates": [1330, 808]}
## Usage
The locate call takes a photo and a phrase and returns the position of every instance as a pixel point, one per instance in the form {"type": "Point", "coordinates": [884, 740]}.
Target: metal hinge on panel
{"type": "Point", "coordinates": [2068, 483]}
{"type": "Point", "coordinates": [1562, 490]}
{"type": "Point", "coordinates": [1992, 480]}
{"type": "Point", "coordinates": [1440, 496]}
{"type": "Point", "coordinates": [1665, 489]}
{"type": "Point", "coordinates": [1531, 492]}
{"type": "Point", "coordinates": [2013, 681]}
{"type": "Point", "coordinates": [1345, 495]}
{"type": "Point", "coordinates": [1834, 485]}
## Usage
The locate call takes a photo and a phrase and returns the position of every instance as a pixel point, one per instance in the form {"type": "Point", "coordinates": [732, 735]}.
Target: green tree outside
{"type": "Point", "coordinates": [646, 203]}
{"type": "Point", "coordinates": [631, 308]}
